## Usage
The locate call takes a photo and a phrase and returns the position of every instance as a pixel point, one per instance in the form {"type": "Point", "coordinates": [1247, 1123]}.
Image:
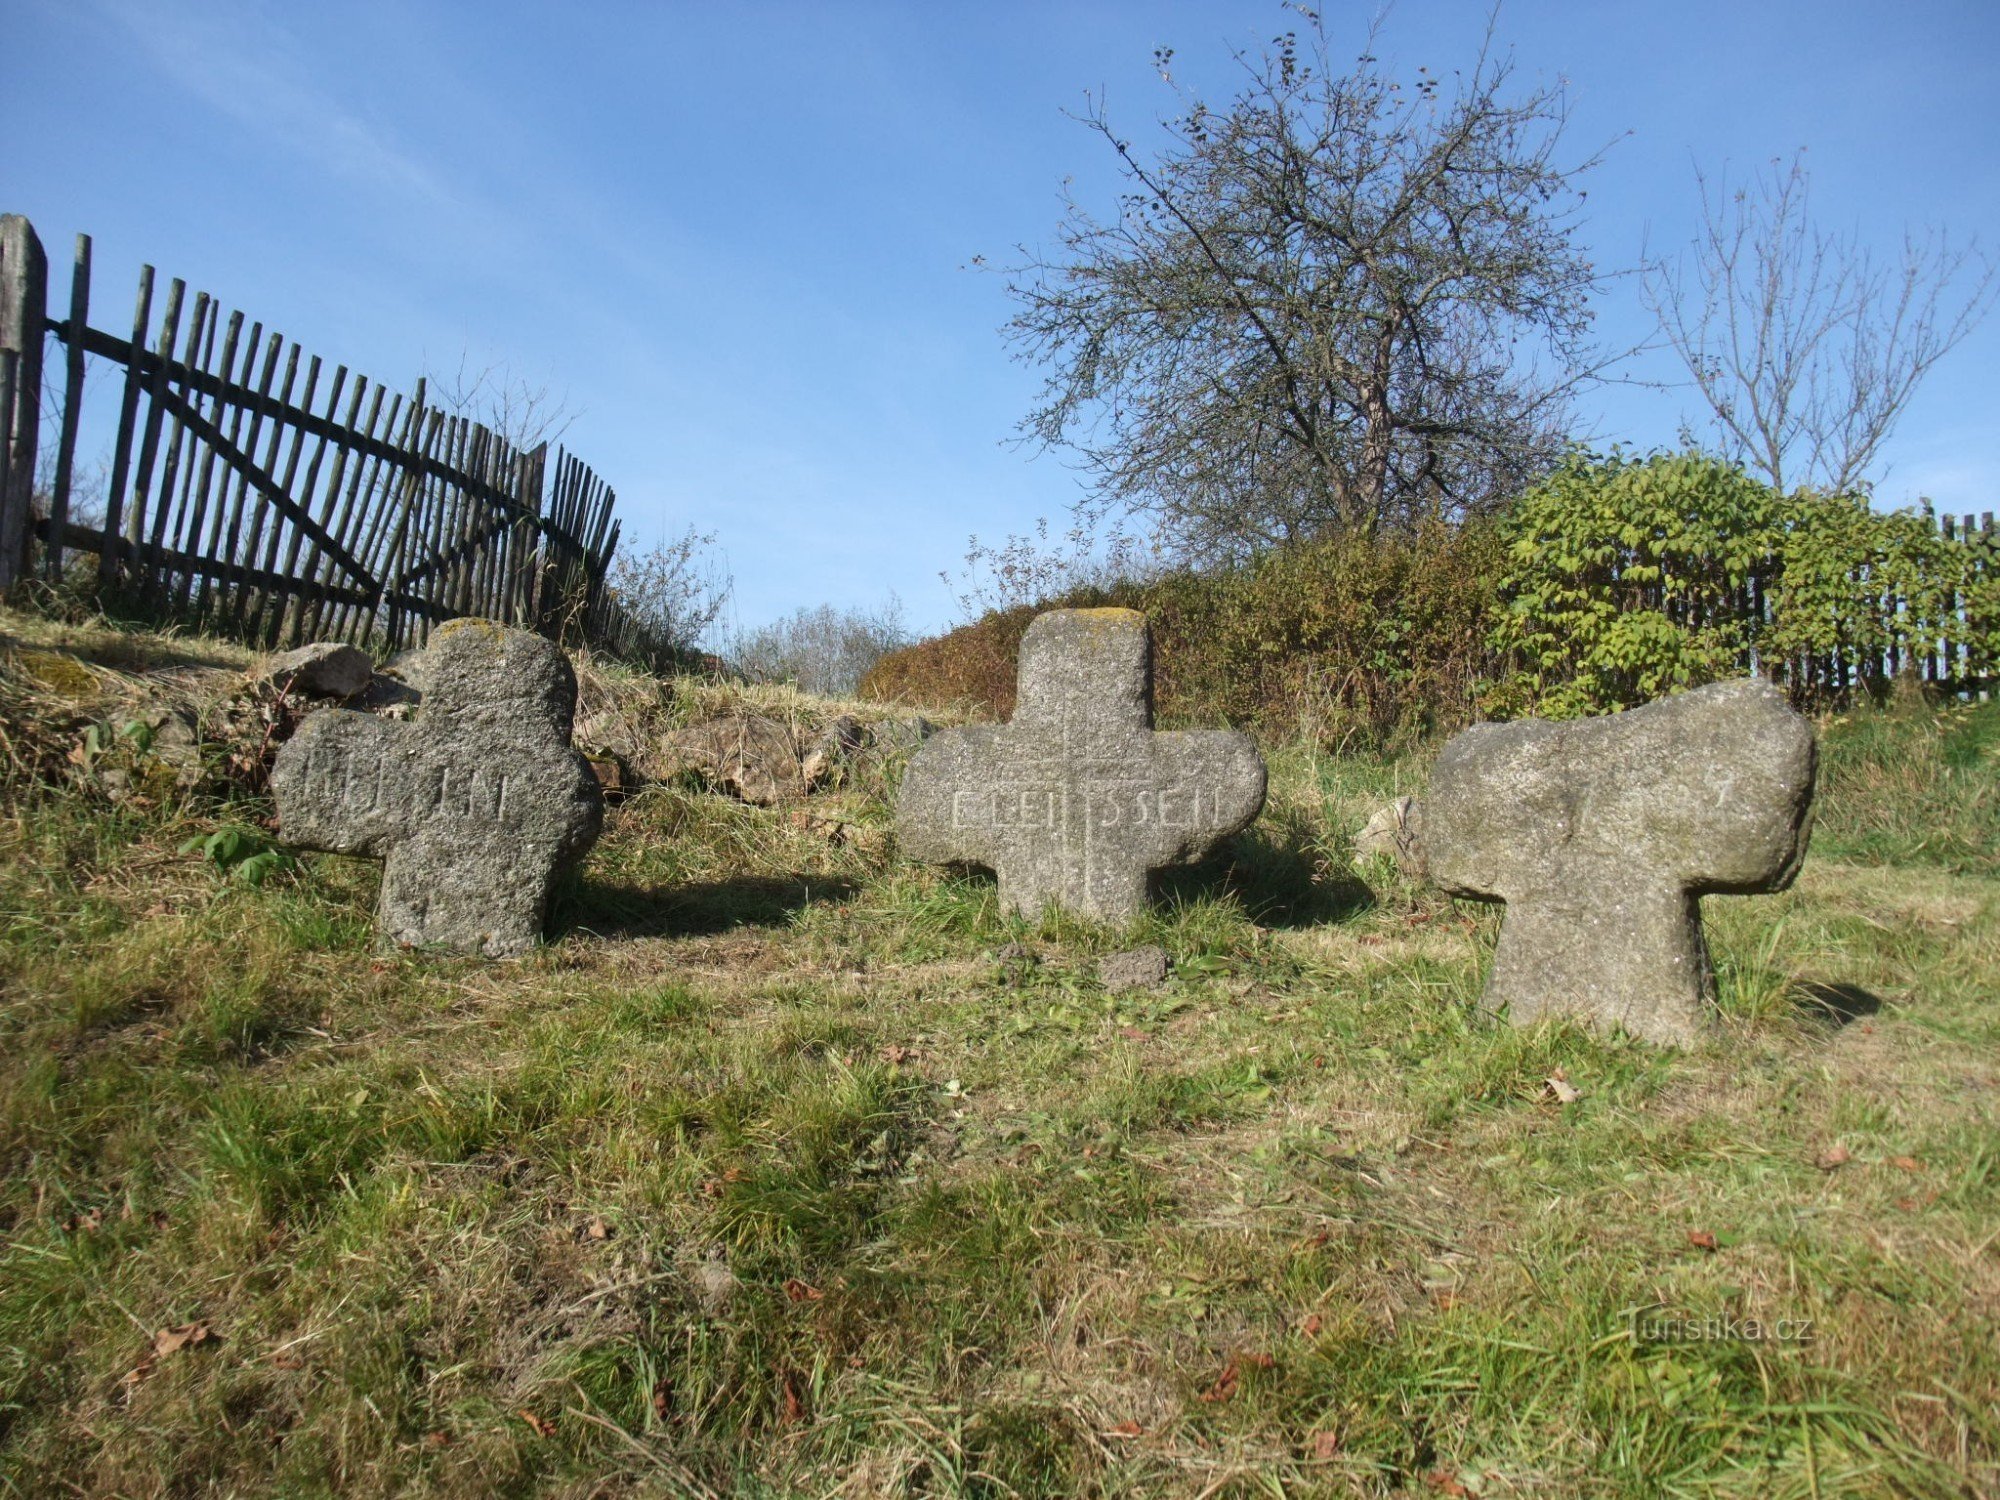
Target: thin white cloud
{"type": "Point", "coordinates": [238, 60]}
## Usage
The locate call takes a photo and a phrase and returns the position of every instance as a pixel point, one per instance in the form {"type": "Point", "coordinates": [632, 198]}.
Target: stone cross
{"type": "Point", "coordinates": [474, 806]}
{"type": "Point", "coordinates": [1602, 836]}
{"type": "Point", "coordinates": [1077, 799]}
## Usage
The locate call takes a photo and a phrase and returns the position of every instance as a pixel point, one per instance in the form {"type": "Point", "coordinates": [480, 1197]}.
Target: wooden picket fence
{"type": "Point", "coordinates": [253, 489]}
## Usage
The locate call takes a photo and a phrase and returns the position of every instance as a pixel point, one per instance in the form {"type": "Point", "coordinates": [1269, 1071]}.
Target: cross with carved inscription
{"type": "Point", "coordinates": [474, 807]}
{"type": "Point", "coordinates": [1077, 799]}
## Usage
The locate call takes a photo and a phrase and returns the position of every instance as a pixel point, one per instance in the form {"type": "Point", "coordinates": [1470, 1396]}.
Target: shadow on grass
{"type": "Point", "coordinates": [1834, 1004]}
{"type": "Point", "coordinates": [1279, 874]}
{"type": "Point", "coordinates": [607, 909]}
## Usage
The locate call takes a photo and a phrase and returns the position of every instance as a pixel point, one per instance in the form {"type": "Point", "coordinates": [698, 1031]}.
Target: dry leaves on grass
{"type": "Point", "coordinates": [1558, 1087]}
{"type": "Point", "coordinates": [713, 1187]}
{"type": "Point", "coordinates": [795, 1407]}
{"type": "Point", "coordinates": [1702, 1239]}
{"type": "Point", "coordinates": [541, 1426]}
{"type": "Point", "coordinates": [1833, 1158]}
{"type": "Point", "coordinates": [801, 1291]}
{"type": "Point", "coordinates": [1125, 1430]}
{"type": "Point", "coordinates": [168, 1342]}
{"type": "Point", "coordinates": [1227, 1382]}
{"type": "Point", "coordinates": [594, 1228]}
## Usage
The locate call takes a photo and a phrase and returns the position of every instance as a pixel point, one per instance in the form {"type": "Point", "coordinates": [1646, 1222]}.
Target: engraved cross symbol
{"type": "Point", "coordinates": [474, 808]}
{"type": "Point", "coordinates": [1077, 799]}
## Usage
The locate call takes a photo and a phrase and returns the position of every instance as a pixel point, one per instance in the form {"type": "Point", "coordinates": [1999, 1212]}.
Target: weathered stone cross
{"type": "Point", "coordinates": [1077, 799]}
{"type": "Point", "coordinates": [474, 807]}
{"type": "Point", "coordinates": [1602, 836]}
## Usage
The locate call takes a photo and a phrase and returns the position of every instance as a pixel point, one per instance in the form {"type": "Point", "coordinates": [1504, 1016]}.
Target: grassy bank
{"type": "Point", "coordinates": [768, 1176]}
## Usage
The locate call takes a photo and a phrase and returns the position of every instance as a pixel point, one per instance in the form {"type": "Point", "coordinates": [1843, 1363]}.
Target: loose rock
{"type": "Point", "coordinates": [1136, 969]}
{"type": "Point", "coordinates": [326, 669]}
{"type": "Point", "coordinates": [756, 758]}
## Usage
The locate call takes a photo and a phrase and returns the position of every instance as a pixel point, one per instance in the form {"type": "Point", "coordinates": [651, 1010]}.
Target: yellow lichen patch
{"type": "Point", "coordinates": [490, 628]}
{"type": "Point", "coordinates": [58, 672]}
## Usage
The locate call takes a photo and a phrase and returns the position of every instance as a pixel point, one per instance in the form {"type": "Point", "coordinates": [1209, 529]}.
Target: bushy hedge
{"type": "Point", "coordinates": [1615, 581]}
{"type": "Point", "coordinates": [1356, 640]}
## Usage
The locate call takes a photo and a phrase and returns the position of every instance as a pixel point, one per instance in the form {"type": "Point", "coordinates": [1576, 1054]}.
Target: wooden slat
{"type": "Point", "coordinates": [121, 447]}
{"type": "Point", "coordinates": [341, 518]}
{"type": "Point", "coordinates": [378, 544]}
{"type": "Point", "coordinates": [10, 371]}
{"type": "Point", "coordinates": [194, 507]}
{"type": "Point", "coordinates": [299, 533]}
{"type": "Point", "coordinates": [397, 545]}
{"type": "Point", "coordinates": [200, 335]}
{"type": "Point", "coordinates": [230, 533]}
{"type": "Point", "coordinates": [72, 408]}
{"type": "Point", "coordinates": [240, 614]}
{"type": "Point", "coordinates": [214, 503]}
{"type": "Point", "coordinates": [263, 624]}
{"type": "Point", "coordinates": [374, 482]}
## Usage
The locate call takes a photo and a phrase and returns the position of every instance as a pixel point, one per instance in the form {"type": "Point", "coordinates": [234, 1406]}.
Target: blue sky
{"type": "Point", "coordinates": [737, 238]}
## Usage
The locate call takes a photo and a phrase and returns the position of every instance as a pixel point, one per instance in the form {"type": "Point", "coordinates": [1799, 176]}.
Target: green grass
{"type": "Point", "coordinates": [769, 1177]}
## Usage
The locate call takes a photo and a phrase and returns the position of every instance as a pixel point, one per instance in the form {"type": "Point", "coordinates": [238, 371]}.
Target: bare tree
{"type": "Point", "coordinates": [524, 413]}
{"type": "Point", "coordinates": [1805, 347]}
{"type": "Point", "coordinates": [676, 590]}
{"type": "Point", "coordinates": [1338, 303]}
{"type": "Point", "coordinates": [823, 651]}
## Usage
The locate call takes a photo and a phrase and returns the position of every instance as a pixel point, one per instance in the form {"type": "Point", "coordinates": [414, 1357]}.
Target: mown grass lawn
{"type": "Point", "coordinates": [774, 1175]}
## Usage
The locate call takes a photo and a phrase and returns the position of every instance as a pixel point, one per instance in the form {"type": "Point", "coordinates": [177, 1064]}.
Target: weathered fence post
{"type": "Point", "coordinates": [24, 301]}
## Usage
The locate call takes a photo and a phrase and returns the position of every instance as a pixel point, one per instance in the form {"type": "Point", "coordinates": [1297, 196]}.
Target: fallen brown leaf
{"type": "Point", "coordinates": [594, 1228]}
{"type": "Point", "coordinates": [1447, 1484]}
{"type": "Point", "coordinates": [437, 1440]}
{"type": "Point", "coordinates": [714, 1186]}
{"type": "Point", "coordinates": [1326, 1444]}
{"type": "Point", "coordinates": [1133, 1032]}
{"type": "Point", "coordinates": [800, 1291]}
{"type": "Point", "coordinates": [1701, 1239]}
{"type": "Point", "coordinates": [1831, 1158]}
{"type": "Point", "coordinates": [1225, 1384]}
{"type": "Point", "coordinates": [540, 1426]}
{"type": "Point", "coordinates": [1311, 1326]}
{"type": "Point", "coordinates": [795, 1409]}
{"type": "Point", "coordinates": [1558, 1087]}
{"type": "Point", "coordinates": [894, 1055]}
{"type": "Point", "coordinates": [1126, 1430]}
{"type": "Point", "coordinates": [1907, 1163]}
{"type": "Point", "coordinates": [173, 1340]}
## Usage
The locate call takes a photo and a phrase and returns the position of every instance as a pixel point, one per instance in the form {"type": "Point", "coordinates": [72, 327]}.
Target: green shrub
{"type": "Point", "coordinates": [1628, 578]}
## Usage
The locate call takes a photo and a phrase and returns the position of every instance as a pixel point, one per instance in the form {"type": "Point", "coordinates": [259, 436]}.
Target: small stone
{"type": "Point", "coordinates": [474, 807]}
{"type": "Point", "coordinates": [1391, 832]}
{"type": "Point", "coordinates": [754, 757]}
{"type": "Point", "coordinates": [834, 752]}
{"type": "Point", "coordinates": [1135, 969]}
{"type": "Point", "coordinates": [714, 1283]}
{"type": "Point", "coordinates": [1078, 799]}
{"type": "Point", "coordinates": [326, 669]}
{"type": "Point", "coordinates": [1602, 835]}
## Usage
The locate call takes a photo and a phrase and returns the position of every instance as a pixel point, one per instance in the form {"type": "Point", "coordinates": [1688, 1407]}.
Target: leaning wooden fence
{"type": "Point", "coordinates": [251, 487]}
